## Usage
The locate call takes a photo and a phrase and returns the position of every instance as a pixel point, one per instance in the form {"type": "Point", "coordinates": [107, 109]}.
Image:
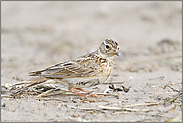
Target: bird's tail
{"type": "Point", "coordinates": [28, 84]}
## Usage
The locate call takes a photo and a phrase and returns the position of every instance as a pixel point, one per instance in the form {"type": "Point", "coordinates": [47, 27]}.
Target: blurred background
{"type": "Point", "coordinates": [37, 34]}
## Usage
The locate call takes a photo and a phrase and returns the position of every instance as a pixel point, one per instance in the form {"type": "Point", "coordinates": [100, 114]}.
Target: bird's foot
{"type": "Point", "coordinates": [96, 96]}
{"type": "Point", "coordinates": [90, 94]}
{"type": "Point", "coordinates": [84, 96]}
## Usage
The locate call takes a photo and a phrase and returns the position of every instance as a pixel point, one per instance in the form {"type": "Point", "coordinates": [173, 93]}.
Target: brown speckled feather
{"type": "Point", "coordinates": [85, 71]}
{"type": "Point", "coordinates": [85, 66]}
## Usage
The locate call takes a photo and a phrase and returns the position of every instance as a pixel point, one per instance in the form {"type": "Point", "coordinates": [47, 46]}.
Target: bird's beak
{"type": "Point", "coordinates": [114, 53]}
{"type": "Point", "coordinates": [117, 53]}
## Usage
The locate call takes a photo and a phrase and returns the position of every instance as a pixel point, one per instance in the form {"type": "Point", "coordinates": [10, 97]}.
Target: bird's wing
{"type": "Point", "coordinates": [82, 67]}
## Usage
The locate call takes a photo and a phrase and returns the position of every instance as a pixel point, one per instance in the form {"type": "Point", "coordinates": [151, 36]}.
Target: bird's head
{"type": "Point", "coordinates": [109, 48]}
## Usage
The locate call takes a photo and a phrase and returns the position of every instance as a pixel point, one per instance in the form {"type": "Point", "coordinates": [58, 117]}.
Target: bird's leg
{"type": "Point", "coordinates": [97, 96]}
{"type": "Point", "coordinates": [93, 95]}
{"type": "Point", "coordinates": [83, 90]}
{"type": "Point", "coordinates": [78, 93]}
{"type": "Point", "coordinates": [91, 100]}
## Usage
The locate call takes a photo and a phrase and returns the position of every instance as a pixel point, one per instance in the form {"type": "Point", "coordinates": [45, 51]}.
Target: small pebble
{"type": "Point", "coordinates": [3, 105]}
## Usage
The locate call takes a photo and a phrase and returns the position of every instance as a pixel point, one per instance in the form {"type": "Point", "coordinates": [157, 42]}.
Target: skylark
{"type": "Point", "coordinates": [86, 71]}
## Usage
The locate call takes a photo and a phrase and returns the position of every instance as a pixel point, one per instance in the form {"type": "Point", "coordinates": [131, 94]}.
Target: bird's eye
{"type": "Point", "coordinates": [107, 46]}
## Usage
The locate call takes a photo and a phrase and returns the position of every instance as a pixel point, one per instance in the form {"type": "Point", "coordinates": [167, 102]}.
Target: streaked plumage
{"type": "Point", "coordinates": [86, 71]}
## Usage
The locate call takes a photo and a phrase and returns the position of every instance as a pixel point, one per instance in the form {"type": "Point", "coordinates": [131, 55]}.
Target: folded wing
{"type": "Point", "coordinates": [70, 69]}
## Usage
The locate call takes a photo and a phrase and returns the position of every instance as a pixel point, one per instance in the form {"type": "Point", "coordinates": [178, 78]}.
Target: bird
{"type": "Point", "coordinates": [83, 72]}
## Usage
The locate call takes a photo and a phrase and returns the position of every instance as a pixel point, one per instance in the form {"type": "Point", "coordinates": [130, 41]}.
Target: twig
{"type": "Point", "coordinates": [178, 96]}
{"type": "Point", "coordinates": [21, 83]}
{"type": "Point", "coordinates": [65, 92]}
{"type": "Point", "coordinates": [120, 113]}
{"type": "Point", "coordinates": [143, 104]}
{"type": "Point", "coordinates": [105, 94]}
{"type": "Point", "coordinates": [46, 93]}
{"type": "Point", "coordinates": [48, 99]}
{"type": "Point", "coordinates": [123, 109]}
{"type": "Point", "coordinates": [6, 96]}
{"type": "Point", "coordinates": [171, 88]}
{"type": "Point", "coordinates": [165, 93]}
{"type": "Point", "coordinates": [87, 109]}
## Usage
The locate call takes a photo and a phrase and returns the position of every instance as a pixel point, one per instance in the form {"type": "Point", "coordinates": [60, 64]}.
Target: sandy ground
{"type": "Point", "coordinates": [36, 35]}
